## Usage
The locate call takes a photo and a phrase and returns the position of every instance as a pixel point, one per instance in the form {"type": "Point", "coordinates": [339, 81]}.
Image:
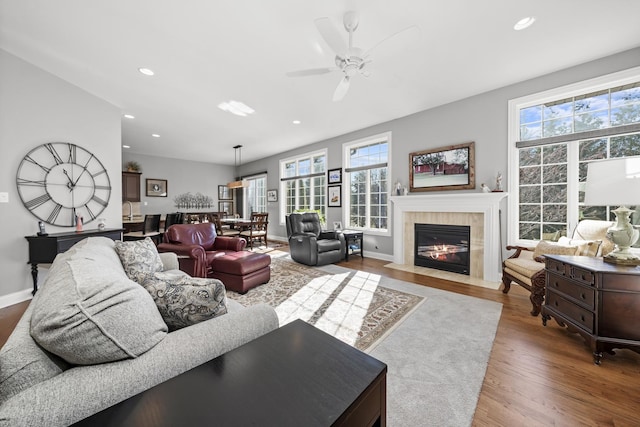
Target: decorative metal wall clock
{"type": "Point", "coordinates": [59, 180]}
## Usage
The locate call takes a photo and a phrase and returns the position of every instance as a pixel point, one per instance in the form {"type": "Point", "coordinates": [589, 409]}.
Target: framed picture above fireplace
{"type": "Point", "coordinates": [444, 168]}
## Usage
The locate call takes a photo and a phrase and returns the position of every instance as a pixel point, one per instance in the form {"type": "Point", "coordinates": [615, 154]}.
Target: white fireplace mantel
{"type": "Point", "coordinates": [487, 204]}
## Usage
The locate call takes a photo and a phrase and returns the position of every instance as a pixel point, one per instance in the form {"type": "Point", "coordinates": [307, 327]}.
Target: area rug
{"type": "Point", "coordinates": [351, 305]}
{"type": "Point", "coordinates": [437, 356]}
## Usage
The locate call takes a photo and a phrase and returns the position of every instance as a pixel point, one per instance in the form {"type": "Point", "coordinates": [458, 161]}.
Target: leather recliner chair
{"type": "Point", "coordinates": [197, 246]}
{"type": "Point", "coordinates": [309, 245]}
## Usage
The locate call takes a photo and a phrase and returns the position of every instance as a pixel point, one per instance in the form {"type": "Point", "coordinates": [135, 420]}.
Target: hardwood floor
{"type": "Point", "coordinates": [537, 376]}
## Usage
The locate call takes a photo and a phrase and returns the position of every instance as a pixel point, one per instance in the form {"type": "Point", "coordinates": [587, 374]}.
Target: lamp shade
{"type": "Point", "coordinates": [243, 183]}
{"type": "Point", "coordinates": [613, 182]}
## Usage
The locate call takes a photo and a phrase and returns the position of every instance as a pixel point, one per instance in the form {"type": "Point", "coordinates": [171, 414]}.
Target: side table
{"type": "Point", "coordinates": [354, 243]}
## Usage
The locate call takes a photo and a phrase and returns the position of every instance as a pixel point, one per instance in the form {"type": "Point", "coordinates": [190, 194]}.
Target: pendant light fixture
{"type": "Point", "coordinates": [238, 183]}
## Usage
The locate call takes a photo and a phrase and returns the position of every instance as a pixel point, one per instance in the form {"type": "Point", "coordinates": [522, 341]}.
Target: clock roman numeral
{"type": "Point", "coordinates": [54, 213]}
{"type": "Point", "coordinates": [54, 153]}
{"type": "Point", "coordinates": [38, 201]}
{"type": "Point", "coordinates": [103, 187]}
{"type": "Point", "coordinates": [99, 173]}
{"type": "Point", "coordinates": [44, 168]}
{"type": "Point", "coordinates": [72, 153]}
{"type": "Point", "coordinates": [99, 201]}
{"type": "Point", "coordinates": [90, 212]}
{"type": "Point", "coordinates": [22, 181]}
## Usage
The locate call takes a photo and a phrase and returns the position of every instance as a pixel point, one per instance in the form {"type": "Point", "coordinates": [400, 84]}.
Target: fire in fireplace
{"type": "Point", "coordinates": [444, 247]}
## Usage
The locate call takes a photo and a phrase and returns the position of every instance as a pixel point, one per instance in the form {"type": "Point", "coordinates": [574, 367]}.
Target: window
{"type": "Point", "coordinates": [255, 195]}
{"type": "Point", "coordinates": [553, 137]}
{"type": "Point", "coordinates": [367, 172]}
{"type": "Point", "coordinates": [303, 184]}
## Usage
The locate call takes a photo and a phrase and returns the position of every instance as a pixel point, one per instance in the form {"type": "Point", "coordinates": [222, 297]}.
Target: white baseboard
{"type": "Point", "coordinates": [16, 297]}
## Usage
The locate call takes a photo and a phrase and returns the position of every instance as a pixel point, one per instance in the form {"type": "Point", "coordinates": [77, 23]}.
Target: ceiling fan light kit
{"type": "Point", "coordinates": [350, 60]}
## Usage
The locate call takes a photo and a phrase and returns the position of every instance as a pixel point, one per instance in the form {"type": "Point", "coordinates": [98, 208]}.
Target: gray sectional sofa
{"type": "Point", "coordinates": [39, 388]}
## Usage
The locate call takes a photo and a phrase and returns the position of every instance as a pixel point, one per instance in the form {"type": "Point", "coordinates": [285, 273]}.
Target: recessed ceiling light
{"type": "Point", "coordinates": [155, 135]}
{"type": "Point", "coordinates": [129, 116]}
{"type": "Point", "coordinates": [126, 146]}
{"type": "Point", "coordinates": [296, 122]}
{"type": "Point", "coordinates": [236, 107]}
{"type": "Point", "coordinates": [524, 23]}
{"type": "Point", "coordinates": [146, 71]}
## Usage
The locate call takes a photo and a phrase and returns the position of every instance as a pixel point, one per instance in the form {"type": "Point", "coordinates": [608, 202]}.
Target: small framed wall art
{"type": "Point", "coordinates": [156, 187]}
{"type": "Point", "coordinates": [334, 176]}
{"type": "Point", "coordinates": [272, 195]}
{"type": "Point", "coordinates": [334, 194]}
{"type": "Point", "coordinates": [224, 193]}
{"type": "Point", "coordinates": [226, 207]}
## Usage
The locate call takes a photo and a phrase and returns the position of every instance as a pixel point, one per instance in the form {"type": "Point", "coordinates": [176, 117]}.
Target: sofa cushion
{"type": "Point", "coordinates": [552, 248]}
{"type": "Point", "coordinates": [184, 301]}
{"type": "Point", "coordinates": [585, 247]}
{"type": "Point", "coordinates": [23, 363]}
{"type": "Point", "coordinates": [139, 258]}
{"type": "Point", "coordinates": [90, 312]}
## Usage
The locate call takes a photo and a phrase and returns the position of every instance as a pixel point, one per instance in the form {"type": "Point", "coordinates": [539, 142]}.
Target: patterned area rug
{"type": "Point", "coordinates": [353, 306]}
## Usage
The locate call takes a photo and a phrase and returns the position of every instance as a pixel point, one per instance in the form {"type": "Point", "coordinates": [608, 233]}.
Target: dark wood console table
{"type": "Point", "coordinates": [43, 249]}
{"type": "Point", "coordinates": [296, 376]}
{"type": "Point", "coordinates": [598, 300]}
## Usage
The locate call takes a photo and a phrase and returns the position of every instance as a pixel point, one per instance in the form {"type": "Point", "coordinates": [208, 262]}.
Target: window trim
{"type": "Point", "coordinates": [620, 78]}
{"type": "Point", "coordinates": [262, 175]}
{"type": "Point", "coordinates": [282, 203]}
{"type": "Point", "coordinates": [346, 199]}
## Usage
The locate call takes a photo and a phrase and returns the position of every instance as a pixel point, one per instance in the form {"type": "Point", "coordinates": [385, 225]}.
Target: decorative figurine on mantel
{"type": "Point", "coordinates": [485, 188]}
{"type": "Point", "coordinates": [398, 188]}
{"type": "Point", "coordinates": [498, 188]}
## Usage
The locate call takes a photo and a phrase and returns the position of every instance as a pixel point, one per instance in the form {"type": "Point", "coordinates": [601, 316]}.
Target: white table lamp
{"type": "Point", "coordinates": [616, 182]}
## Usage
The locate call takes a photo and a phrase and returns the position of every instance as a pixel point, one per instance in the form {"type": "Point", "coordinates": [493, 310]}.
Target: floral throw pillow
{"type": "Point", "coordinates": [139, 258]}
{"type": "Point", "coordinates": [186, 300]}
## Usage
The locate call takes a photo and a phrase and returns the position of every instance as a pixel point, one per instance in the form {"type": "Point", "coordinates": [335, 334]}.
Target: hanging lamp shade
{"type": "Point", "coordinates": [238, 183]}
{"type": "Point", "coordinates": [242, 183]}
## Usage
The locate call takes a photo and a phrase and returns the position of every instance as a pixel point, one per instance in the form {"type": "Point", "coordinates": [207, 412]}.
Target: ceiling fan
{"type": "Point", "coordinates": [349, 60]}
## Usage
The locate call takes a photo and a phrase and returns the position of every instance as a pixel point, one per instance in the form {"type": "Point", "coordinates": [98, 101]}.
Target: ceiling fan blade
{"type": "Point", "coordinates": [331, 36]}
{"type": "Point", "coordinates": [342, 89]}
{"type": "Point", "coordinates": [311, 72]}
{"type": "Point", "coordinates": [397, 41]}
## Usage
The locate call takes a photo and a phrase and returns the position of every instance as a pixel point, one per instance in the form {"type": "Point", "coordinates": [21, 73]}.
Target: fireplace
{"type": "Point", "coordinates": [443, 247]}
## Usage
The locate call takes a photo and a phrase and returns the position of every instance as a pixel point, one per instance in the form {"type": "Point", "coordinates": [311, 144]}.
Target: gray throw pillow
{"type": "Point", "coordinates": [89, 312]}
{"type": "Point", "coordinates": [186, 300]}
{"type": "Point", "coordinates": [139, 258]}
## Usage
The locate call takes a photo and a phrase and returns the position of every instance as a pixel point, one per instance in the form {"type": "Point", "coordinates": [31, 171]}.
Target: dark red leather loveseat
{"type": "Point", "coordinates": [202, 253]}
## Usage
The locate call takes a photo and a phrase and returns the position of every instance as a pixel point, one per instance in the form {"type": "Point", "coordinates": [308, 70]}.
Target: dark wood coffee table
{"type": "Point", "coordinates": [296, 375]}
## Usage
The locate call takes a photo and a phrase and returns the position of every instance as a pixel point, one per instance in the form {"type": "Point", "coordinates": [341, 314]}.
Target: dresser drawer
{"type": "Point", "coordinates": [555, 266]}
{"type": "Point", "coordinates": [571, 311]}
{"type": "Point", "coordinates": [581, 275]}
{"type": "Point", "coordinates": [582, 294]}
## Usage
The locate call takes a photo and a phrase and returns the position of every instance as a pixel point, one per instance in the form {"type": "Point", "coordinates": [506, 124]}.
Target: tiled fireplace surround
{"type": "Point", "coordinates": [480, 211]}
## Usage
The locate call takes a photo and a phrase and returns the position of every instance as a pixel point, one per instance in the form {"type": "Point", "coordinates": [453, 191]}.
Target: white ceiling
{"type": "Point", "coordinates": [208, 51]}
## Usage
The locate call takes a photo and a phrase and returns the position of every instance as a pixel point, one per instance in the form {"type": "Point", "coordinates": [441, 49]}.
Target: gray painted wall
{"type": "Point", "coordinates": [481, 118]}
{"type": "Point", "coordinates": [182, 177]}
{"type": "Point", "coordinates": [37, 107]}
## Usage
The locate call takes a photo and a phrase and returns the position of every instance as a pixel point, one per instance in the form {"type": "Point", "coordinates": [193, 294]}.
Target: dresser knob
{"type": "Point", "coordinates": [582, 318]}
{"type": "Point", "coordinates": [583, 296]}
{"type": "Point", "coordinates": [556, 303]}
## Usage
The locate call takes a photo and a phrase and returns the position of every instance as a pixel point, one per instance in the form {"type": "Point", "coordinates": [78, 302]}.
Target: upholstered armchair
{"type": "Point", "coordinates": [309, 245]}
{"type": "Point", "coordinates": [526, 266]}
{"type": "Point", "coordinates": [197, 245]}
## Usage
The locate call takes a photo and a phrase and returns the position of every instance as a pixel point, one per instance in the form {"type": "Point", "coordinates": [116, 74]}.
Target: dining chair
{"type": "Point", "coordinates": [172, 218]}
{"type": "Point", "coordinates": [223, 230]}
{"type": "Point", "coordinates": [256, 229]}
{"type": "Point", "coordinates": [151, 229]}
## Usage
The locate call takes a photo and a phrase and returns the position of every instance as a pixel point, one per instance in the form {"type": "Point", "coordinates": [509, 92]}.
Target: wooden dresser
{"type": "Point", "coordinates": [600, 301]}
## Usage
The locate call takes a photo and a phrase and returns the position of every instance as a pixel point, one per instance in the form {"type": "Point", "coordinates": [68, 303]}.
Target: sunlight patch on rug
{"type": "Point", "coordinates": [353, 306]}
